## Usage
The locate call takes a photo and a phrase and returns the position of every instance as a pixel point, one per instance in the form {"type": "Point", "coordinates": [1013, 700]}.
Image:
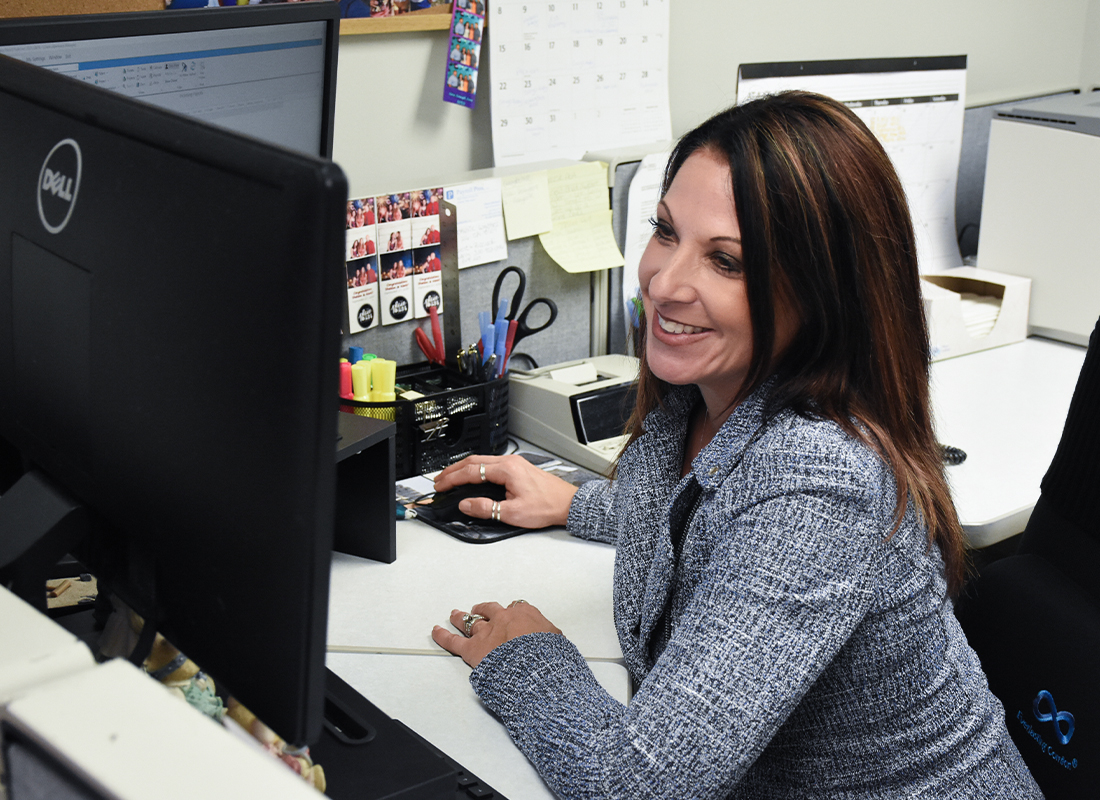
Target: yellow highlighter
{"type": "Point", "coordinates": [361, 381]}
{"type": "Point", "coordinates": [384, 376]}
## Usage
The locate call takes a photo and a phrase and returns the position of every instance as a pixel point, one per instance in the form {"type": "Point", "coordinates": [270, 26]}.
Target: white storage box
{"type": "Point", "coordinates": [970, 309]}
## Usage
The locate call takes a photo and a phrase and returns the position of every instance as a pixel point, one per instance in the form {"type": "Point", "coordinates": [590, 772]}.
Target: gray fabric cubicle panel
{"type": "Point", "coordinates": [568, 338]}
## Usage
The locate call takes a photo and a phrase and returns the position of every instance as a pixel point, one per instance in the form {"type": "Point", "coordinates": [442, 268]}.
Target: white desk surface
{"type": "Point", "coordinates": [391, 608]}
{"type": "Point", "coordinates": [433, 696]}
{"type": "Point", "coordinates": [1005, 407]}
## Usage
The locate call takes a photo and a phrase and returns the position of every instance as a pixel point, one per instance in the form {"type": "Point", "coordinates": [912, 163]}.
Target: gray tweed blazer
{"type": "Point", "coordinates": [805, 652]}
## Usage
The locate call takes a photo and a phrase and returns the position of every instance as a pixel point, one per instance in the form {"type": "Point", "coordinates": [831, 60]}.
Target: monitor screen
{"type": "Point", "coordinates": [266, 71]}
{"type": "Point", "coordinates": [169, 338]}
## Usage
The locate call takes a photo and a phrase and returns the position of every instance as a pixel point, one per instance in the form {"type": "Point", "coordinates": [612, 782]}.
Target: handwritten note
{"type": "Point", "coordinates": [526, 200]}
{"type": "Point", "coordinates": [480, 222]}
{"type": "Point", "coordinates": [581, 239]}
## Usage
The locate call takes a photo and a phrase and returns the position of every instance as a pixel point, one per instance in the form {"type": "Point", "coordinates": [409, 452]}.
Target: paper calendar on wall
{"type": "Point", "coordinates": [570, 77]}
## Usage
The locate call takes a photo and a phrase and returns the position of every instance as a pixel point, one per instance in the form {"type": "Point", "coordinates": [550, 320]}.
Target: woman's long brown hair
{"type": "Point", "coordinates": [825, 227]}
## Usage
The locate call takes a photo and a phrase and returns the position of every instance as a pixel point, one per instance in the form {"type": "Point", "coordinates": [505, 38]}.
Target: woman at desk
{"type": "Point", "coordinates": [786, 542]}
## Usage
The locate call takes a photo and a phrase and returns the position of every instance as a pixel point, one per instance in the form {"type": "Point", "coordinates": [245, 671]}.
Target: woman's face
{"type": "Point", "coordinates": [693, 285]}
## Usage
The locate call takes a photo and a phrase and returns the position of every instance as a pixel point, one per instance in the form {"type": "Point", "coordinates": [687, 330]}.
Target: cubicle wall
{"type": "Point", "coordinates": [568, 338]}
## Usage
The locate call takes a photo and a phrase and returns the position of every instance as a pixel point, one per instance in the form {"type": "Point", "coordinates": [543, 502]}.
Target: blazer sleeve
{"type": "Point", "coordinates": [592, 513]}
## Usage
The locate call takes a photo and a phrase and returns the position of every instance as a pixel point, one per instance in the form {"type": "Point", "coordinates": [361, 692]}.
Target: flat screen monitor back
{"type": "Point", "coordinates": [142, 254]}
{"type": "Point", "coordinates": [267, 71]}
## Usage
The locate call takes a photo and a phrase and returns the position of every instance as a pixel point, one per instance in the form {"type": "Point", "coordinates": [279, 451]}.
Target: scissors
{"type": "Point", "coordinates": [523, 329]}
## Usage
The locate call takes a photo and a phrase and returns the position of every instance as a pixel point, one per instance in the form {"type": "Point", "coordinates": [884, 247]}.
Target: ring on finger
{"type": "Point", "coordinates": [496, 511]}
{"type": "Point", "coordinates": [481, 469]}
{"type": "Point", "coordinates": [517, 602]}
{"type": "Point", "coordinates": [468, 620]}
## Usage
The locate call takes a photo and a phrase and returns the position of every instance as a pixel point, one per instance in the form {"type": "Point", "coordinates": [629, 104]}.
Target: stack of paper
{"type": "Point", "coordinates": [979, 312]}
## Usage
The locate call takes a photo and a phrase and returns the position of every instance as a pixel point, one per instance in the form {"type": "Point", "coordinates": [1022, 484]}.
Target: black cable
{"type": "Point", "coordinates": [952, 456]}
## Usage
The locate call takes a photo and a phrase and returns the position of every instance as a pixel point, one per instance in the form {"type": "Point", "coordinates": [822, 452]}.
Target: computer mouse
{"type": "Point", "coordinates": [444, 505]}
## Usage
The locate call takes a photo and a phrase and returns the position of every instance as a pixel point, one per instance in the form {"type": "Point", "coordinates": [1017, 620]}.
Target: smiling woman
{"type": "Point", "coordinates": [786, 542]}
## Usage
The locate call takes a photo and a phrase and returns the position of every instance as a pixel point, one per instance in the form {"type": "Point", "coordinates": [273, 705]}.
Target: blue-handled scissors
{"type": "Point", "coordinates": [523, 328]}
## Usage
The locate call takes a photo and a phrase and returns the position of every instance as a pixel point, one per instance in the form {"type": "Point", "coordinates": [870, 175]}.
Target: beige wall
{"type": "Point", "coordinates": [393, 130]}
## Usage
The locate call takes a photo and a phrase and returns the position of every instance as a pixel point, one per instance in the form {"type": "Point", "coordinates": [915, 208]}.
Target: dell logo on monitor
{"type": "Point", "coordinates": [58, 184]}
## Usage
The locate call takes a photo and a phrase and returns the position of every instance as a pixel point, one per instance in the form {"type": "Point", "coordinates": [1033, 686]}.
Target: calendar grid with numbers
{"type": "Point", "coordinates": [570, 77]}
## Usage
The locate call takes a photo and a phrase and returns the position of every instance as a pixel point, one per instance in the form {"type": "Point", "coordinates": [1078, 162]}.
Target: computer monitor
{"type": "Point", "coordinates": [268, 71]}
{"type": "Point", "coordinates": [169, 341]}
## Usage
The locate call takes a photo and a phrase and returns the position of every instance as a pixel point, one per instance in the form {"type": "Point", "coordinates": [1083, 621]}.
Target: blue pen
{"type": "Point", "coordinates": [502, 312]}
{"type": "Point", "coordinates": [501, 344]}
{"type": "Point", "coordinates": [489, 342]}
{"type": "Point", "coordinates": [355, 354]}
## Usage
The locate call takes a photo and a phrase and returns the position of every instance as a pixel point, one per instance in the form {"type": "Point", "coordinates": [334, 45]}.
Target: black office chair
{"type": "Point", "coordinates": [1034, 617]}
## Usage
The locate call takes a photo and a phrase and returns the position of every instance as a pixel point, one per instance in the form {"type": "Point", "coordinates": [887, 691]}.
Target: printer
{"type": "Point", "coordinates": [576, 409]}
{"type": "Point", "coordinates": [1039, 210]}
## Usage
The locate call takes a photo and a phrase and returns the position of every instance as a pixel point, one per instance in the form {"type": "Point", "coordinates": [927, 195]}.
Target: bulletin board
{"type": "Point", "coordinates": [51, 8]}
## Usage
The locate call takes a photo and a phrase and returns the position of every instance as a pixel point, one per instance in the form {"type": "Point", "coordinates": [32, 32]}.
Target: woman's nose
{"type": "Point", "coordinates": [671, 280]}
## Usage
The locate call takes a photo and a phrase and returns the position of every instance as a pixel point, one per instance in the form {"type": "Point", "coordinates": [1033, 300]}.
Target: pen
{"type": "Point", "coordinates": [508, 345]}
{"type": "Point", "coordinates": [437, 333]}
{"type": "Point", "coordinates": [502, 326]}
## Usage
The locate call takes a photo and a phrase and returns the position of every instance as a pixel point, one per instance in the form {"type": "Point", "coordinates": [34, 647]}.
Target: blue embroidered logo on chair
{"type": "Point", "coordinates": [1055, 716]}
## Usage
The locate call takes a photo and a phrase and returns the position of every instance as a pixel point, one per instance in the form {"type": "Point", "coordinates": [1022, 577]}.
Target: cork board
{"type": "Point", "coordinates": [49, 8]}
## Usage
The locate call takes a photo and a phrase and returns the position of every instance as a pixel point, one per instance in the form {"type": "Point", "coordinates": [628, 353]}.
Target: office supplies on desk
{"type": "Point", "coordinates": [577, 409]}
{"type": "Point", "coordinates": [441, 415]}
{"type": "Point", "coordinates": [971, 309]}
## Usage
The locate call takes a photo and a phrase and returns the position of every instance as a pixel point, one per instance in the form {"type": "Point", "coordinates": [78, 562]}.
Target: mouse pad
{"type": "Point", "coordinates": [443, 513]}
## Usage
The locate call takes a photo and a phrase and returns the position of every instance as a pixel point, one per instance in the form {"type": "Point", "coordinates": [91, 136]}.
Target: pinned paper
{"type": "Point", "coordinates": [581, 239]}
{"type": "Point", "coordinates": [641, 207]}
{"type": "Point", "coordinates": [583, 244]}
{"type": "Point", "coordinates": [362, 265]}
{"type": "Point", "coordinates": [467, 24]}
{"type": "Point", "coordinates": [526, 200]}
{"type": "Point", "coordinates": [480, 222]}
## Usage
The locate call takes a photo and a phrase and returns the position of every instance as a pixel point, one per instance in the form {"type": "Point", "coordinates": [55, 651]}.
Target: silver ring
{"type": "Point", "coordinates": [496, 510]}
{"type": "Point", "coordinates": [468, 620]}
{"type": "Point", "coordinates": [483, 478]}
{"type": "Point", "coordinates": [517, 602]}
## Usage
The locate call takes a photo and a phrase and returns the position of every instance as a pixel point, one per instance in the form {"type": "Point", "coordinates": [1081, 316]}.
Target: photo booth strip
{"type": "Point", "coordinates": [464, 56]}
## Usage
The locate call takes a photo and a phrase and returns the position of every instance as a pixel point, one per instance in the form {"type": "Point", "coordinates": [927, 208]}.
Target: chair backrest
{"type": "Point", "coordinates": [1034, 618]}
{"type": "Point", "coordinates": [1037, 634]}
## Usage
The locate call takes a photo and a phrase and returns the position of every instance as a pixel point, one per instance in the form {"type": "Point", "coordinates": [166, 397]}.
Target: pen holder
{"type": "Point", "coordinates": [454, 418]}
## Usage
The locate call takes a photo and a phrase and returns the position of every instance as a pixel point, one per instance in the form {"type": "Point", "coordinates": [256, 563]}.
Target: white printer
{"type": "Point", "coordinates": [1041, 207]}
{"type": "Point", "coordinates": [576, 409]}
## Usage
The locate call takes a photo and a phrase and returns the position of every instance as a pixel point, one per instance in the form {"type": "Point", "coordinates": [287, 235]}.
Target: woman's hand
{"type": "Point", "coordinates": [534, 498]}
{"type": "Point", "coordinates": [490, 625]}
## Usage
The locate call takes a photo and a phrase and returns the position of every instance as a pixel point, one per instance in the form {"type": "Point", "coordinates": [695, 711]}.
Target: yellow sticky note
{"type": "Point", "coordinates": [582, 239]}
{"type": "Point", "coordinates": [583, 243]}
{"type": "Point", "coordinates": [578, 190]}
{"type": "Point", "coordinates": [526, 200]}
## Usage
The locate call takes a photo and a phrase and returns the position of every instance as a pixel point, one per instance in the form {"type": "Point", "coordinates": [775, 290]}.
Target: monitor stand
{"type": "Point", "coordinates": [39, 524]}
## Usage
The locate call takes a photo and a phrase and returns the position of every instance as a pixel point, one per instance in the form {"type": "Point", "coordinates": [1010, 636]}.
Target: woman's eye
{"type": "Point", "coordinates": [661, 229]}
{"type": "Point", "coordinates": [727, 263]}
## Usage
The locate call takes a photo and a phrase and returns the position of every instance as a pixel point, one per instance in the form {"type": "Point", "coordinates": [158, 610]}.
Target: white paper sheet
{"type": "Point", "coordinates": [570, 77]}
{"type": "Point", "coordinates": [481, 238]}
{"type": "Point", "coordinates": [641, 206]}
